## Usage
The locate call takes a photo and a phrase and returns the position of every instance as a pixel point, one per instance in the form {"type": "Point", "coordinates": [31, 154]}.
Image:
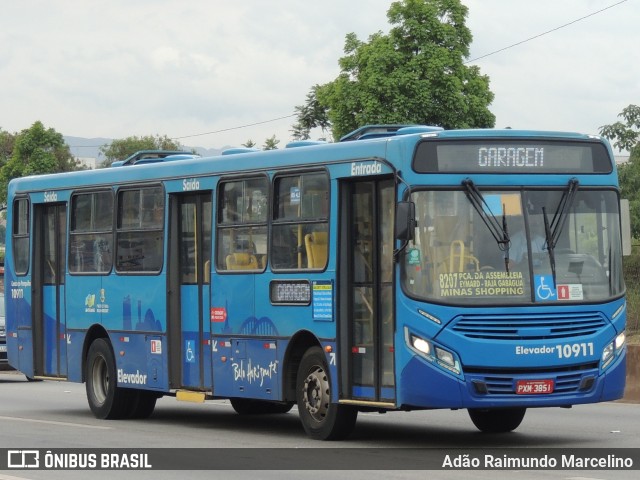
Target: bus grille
{"type": "Point", "coordinates": [504, 385]}
{"type": "Point", "coordinates": [528, 327]}
{"type": "Point", "coordinates": [564, 383]}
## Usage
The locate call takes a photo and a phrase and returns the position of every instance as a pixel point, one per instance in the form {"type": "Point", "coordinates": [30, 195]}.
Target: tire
{"type": "Point", "coordinates": [106, 399]}
{"type": "Point", "coordinates": [497, 420]}
{"type": "Point", "coordinates": [143, 404]}
{"type": "Point", "coordinates": [321, 419]}
{"type": "Point", "coordinates": [245, 406]}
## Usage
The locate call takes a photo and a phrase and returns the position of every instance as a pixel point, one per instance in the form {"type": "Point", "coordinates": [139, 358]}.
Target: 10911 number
{"type": "Point", "coordinates": [573, 350]}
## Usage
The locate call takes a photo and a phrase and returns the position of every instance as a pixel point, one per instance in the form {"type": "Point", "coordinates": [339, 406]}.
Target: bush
{"type": "Point", "coordinates": [632, 281]}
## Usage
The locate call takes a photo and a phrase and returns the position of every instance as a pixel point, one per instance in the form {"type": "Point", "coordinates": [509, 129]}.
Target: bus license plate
{"type": "Point", "coordinates": [534, 387]}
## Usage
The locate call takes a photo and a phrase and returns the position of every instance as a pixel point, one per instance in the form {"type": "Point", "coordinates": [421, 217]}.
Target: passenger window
{"type": "Point", "coordinates": [300, 225]}
{"type": "Point", "coordinates": [242, 225]}
{"type": "Point", "coordinates": [21, 236]}
{"type": "Point", "coordinates": [91, 233]}
{"type": "Point", "coordinates": [140, 232]}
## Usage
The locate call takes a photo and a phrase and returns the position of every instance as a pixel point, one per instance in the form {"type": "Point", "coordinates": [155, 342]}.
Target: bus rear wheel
{"type": "Point", "coordinates": [321, 419]}
{"type": "Point", "coordinates": [143, 404]}
{"type": "Point", "coordinates": [497, 420]}
{"type": "Point", "coordinates": [106, 399]}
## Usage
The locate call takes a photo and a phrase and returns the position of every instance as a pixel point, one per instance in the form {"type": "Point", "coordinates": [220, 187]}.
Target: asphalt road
{"type": "Point", "coordinates": [55, 415]}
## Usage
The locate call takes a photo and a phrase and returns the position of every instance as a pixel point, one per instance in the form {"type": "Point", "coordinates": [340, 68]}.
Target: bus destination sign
{"type": "Point", "coordinates": [511, 156]}
{"type": "Point", "coordinates": [523, 157]}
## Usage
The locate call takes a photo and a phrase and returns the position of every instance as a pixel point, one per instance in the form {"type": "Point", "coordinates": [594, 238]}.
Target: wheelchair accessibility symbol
{"type": "Point", "coordinates": [189, 352]}
{"type": "Point", "coordinates": [544, 288]}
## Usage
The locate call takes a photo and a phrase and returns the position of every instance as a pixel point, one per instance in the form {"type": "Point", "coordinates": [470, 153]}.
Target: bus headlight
{"type": "Point", "coordinates": [445, 356]}
{"type": "Point", "coordinates": [434, 353]}
{"type": "Point", "coordinates": [607, 355]}
{"type": "Point", "coordinates": [421, 345]}
{"type": "Point", "coordinates": [612, 350]}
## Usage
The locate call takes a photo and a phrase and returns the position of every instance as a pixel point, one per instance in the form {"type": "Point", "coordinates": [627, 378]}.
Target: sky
{"type": "Point", "coordinates": [197, 70]}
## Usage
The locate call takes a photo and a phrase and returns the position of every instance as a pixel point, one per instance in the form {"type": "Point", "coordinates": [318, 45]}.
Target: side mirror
{"type": "Point", "coordinates": [625, 220]}
{"type": "Point", "coordinates": [405, 221]}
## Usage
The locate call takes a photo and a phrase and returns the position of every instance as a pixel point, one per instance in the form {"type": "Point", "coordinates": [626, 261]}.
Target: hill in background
{"type": "Point", "coordinates": [90, 148]}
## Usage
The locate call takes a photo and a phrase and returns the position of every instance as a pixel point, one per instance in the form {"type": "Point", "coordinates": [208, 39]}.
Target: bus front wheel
{"type": "Point", "coordinates": [106, 399]}
{"type": "Point", "coordinates": [321, 419]}
{"type": "Point", "coordinates": [497, 420]}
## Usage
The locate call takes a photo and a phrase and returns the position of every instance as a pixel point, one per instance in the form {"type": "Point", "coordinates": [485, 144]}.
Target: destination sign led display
{"type": "Point", "coordinates": [511, 156]}
{"type": "Point", "coordinates": [290, 292]}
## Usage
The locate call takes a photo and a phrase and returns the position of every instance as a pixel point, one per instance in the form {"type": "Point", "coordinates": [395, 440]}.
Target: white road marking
{"type": "Point", "coordinates": [582, 478]}
{"type": "Point", "coordinates": [9, 477]}
{"type": "Point", "coordinates": [51, 422]}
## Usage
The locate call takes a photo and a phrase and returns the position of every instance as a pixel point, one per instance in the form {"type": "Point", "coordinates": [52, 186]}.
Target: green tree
{"type": "Point", "coordinates": [36, 150]}
{"type": "Point", "coordinates": [625, 135]}
{"type": "Point", "coordinates": [7, 140]}
{"type": "Point", "coordinates": [125, 147]}
{"type": "Point", "coordinates": [310, 115]}
{"type": "Point", "coordinates": [271, 143]}
{"type": "Point", "coordinates": [414, 74]}
{"type": "Point", "coordinates": [249, 144]}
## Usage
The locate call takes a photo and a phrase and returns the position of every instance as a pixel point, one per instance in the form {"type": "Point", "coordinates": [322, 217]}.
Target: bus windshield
{"type": "Point", "coordinates": [455, 258]}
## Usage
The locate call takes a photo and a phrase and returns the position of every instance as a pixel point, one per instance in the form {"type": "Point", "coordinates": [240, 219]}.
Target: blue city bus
{"type": "Point", "coordinates": [402, 268]}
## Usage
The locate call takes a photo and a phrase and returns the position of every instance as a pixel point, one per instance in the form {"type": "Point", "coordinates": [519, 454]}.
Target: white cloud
{"type": "Point", "coordinates": [116, 68]}
{"type": "Point", "coordinates": [577, 78]}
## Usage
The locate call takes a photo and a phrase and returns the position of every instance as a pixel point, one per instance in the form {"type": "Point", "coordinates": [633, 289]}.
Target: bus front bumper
{"type": "Point", "coordinates": [423, 385]}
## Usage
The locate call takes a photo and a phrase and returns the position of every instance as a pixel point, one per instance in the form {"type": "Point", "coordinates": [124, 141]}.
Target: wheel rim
{"type": "Point", "coordinates": [100, 379]}
{"type": "Point", "coordinates": [316, 394]}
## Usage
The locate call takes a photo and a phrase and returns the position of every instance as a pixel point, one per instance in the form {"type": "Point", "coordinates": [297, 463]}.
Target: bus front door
{"type": "Point", "coordinates": [367, 320]}
{"type": "Point", "coordinates": [188, 285]}
{"type": "Point", "coordinates": [48, 288]}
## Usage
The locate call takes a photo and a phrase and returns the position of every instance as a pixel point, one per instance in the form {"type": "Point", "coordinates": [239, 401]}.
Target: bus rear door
{"type": "Point", "coordinates": [366, 310]}
{"type": "Point", "coordinates": [48, 289]}
{"type": "Point", "coordinates": [189, 294]}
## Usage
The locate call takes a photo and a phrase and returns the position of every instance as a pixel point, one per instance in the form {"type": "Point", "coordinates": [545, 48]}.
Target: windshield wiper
{"type": "Point", "coordinates": [553, 229]}
{"type": "Point", "coordinates": [499, 232]}
{"type": "Point", "coordinates": [550, 245]}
